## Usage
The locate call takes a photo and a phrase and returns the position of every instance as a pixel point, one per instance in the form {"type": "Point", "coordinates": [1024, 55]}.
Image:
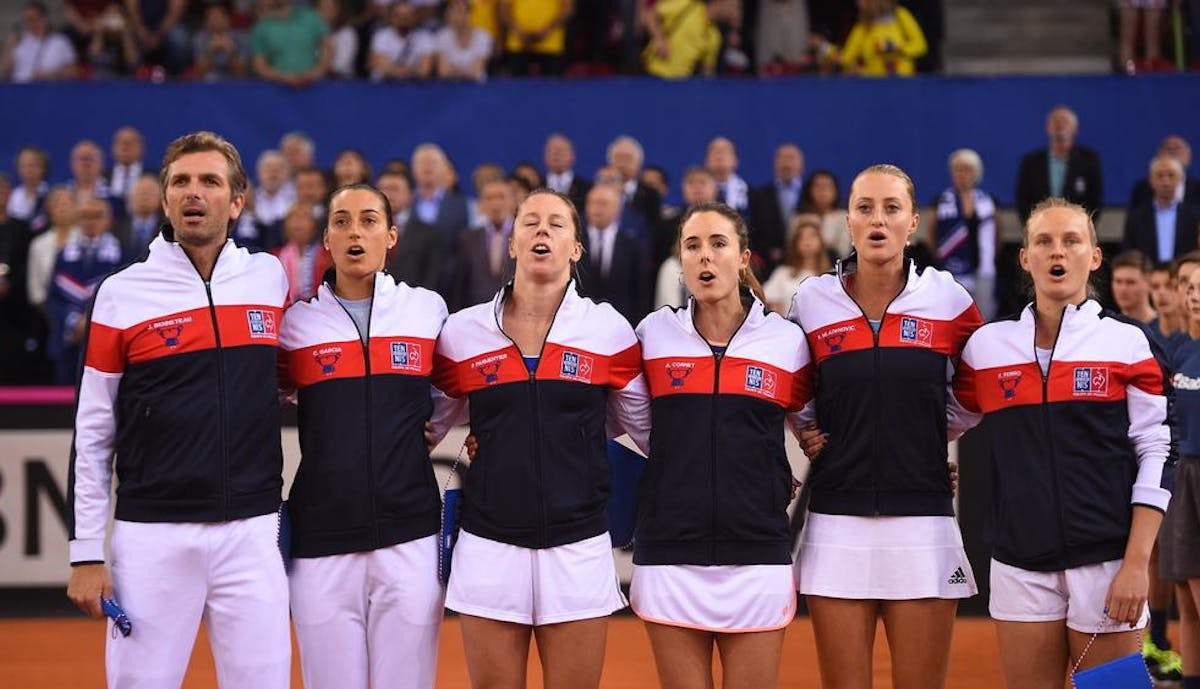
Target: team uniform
{"type": "Point", "coordinates": [712, 548]}
{"type": "Point", "coordinates": [364, 507]}
{"type": "Point", "coordinates": [179, 383]}
{"type": "Point", "coordinates": [534, 547]}
{"type": "Point", "coordinates": [1179, 539]}
{"type": "Point", "coordinates": [1078, 434]}
{"type": "Point", "coordinates": [881, 524]}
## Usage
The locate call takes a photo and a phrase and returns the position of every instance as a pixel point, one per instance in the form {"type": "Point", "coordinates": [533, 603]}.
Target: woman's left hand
{"type": "Point", "coordinates": [1127, 594]}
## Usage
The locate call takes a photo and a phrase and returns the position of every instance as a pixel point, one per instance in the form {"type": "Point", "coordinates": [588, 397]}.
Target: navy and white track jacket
{"type": "Point", "coordinates": [718, 483]}
{"type": "Point", "coordinates": [884, 397]}
{"type": "Point", "coordinates": [179, 383]}
{"type": "Point", "coordinates": [365, 480]}
{"type": "Point", "coordinates": [1074, 448]}
{"type": "Point", "coordinates": [540, 477]}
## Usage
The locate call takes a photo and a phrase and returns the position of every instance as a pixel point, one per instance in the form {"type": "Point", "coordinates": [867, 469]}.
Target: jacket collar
{"type": "Point", "coordinates": [1072, 313]}
{"type": "Point", "coordinates": [164, 248]}
{"type": "Point", "coordinates": [845, 267]}
{"type": "Point", "coordinates": [756, 312]}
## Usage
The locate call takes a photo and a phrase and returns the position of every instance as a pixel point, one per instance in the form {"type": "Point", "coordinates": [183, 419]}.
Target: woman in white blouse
{"type": "Point", "coordinates": [805, 255]}
{"type": "Point", "coordinates": [462, 50]}
{"type": "Point", "coordinates": [63, 213]}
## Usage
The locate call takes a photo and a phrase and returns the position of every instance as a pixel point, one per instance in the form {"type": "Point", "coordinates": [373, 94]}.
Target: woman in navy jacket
{"type": "Point", "coordinates": [364, 506]}
{"type": "Point", "coordinates": [712, 560]}
{"type": "Point", "coordinates": [1075, 405]}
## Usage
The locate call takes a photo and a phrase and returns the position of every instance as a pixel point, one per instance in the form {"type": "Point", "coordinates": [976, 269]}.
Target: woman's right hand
{"type": "Point", "coordinates": [472, 446]}
{"type": "Point", "coordinates": [812, 441]}
{"type": "Point", "coordinates": [661, 49]}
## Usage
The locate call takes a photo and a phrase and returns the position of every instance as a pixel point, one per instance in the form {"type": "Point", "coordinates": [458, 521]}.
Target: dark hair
{"type": "Point", "coordinates": [791, 256]}
{"type": "Point", "coordinates": [745, 276]}
{"type": "Point", "coordinates": [361, 186]}
{"type": "Point", "coordinates": [1190, 257]}
{"type": "Point", "coordinates": [1133, 259]}
{"type": "Point", "coordinates": [515, 179]}
{"type": "Point", "coordinates": [661, 173]}
{"type": "Point", "coordinates": [366, 176]}
{"type": "Point", "coordinates": [395, 173]}
{"type": "Point", "coordinates": [537, 175]}
{"type": "Point", "coordinates": [199, 142]}
{"type": "Point", "coordinates": [806, 197]}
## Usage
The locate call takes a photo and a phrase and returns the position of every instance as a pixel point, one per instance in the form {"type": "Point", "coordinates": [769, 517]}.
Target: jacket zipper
{"type": "Point", "coordinates": [712, 448]}
{"type": "Point", "coordinates": [536, 426]}
{"type": "Point", "coordinates": [366, 350]}
{"type": "Point", "coordinates": [875, 376]}
{"type": "Point", "coordinates": [1062, 529]}
{"type": "Point", "coordinates": [212, 310]}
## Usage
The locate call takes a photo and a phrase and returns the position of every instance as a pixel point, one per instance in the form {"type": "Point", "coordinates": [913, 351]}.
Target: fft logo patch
{"type": "Point", "coordinates": [1091, 381]}
{"type": "Point", "coordinates": [577, 366]}
{"type": "Point", "coordinates": [916, 330]}
{"type": "Point", "coordinates": [262, 324]}
{"type": "Point", "coordinates": [406, 356]}
{"type": "Point", "coordinates": [760, 380]}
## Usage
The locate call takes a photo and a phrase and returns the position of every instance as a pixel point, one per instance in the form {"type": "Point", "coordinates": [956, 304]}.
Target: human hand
{"type": "Point", "coordinates": [87, 585]}
{"type": "Point", "coordinates": [1127, 593]}
{"type": "Point", "coordinates": [472, 445]}
{"type": "Point", "coordinates": [812, 441]}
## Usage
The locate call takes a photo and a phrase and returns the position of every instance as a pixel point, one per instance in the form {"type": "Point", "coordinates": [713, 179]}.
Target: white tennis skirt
{"type": "Point", "coordinates": [883, 558]}
{"type": "Point", "coordinates": [499, 581]}
{"type": "Point", "coordinates": [722, 598]}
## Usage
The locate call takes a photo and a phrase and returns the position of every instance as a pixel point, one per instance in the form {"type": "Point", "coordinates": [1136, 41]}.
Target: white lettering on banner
{"type": "Point", "coordinates": [33, 500]}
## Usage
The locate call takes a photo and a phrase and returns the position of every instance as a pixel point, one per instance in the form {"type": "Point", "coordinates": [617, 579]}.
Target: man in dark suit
{"type": "Point", "coordinates": [613, 268]}
{"type": "Point", "coordinates": [144, 219]}
{"type": "Point", "coordinates": [772, 207]}
{"type": "Point", "coordinates": [559, 156]}
{"type": "Point", "coordinates": [417, 257]}
{"type": "Point", "coordinates": [1061, 169]}
{"type": "Point", "coordinates": [434, 203]}
{"type": "Point", "coordinates": [1188, 191]}
{"type": "Point", "coordinates": [128, 149]}
{"type": "Point", "coordinates": [626, 156]}
{"type": "Point", "coordinates": [484, 260]}
{"type": "Point", "coordinates": [1166, 227]}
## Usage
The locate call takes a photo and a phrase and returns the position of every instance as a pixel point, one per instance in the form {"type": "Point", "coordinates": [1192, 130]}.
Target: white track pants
{"type": "Point", "coordinates": [169, 577]}
{"type": "Point", "coordinates": [369, 619]}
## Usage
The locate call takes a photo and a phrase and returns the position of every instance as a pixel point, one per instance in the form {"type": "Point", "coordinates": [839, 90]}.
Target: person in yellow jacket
{"type": "Point", "coordinates": [536, 34]}
{"type": "Point", "coordinates": [684, 39]}
{"type": "Point", "coordinates": [885, 41]}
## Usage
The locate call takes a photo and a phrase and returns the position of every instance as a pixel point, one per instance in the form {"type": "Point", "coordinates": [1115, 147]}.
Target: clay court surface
{"type": "Point", "coordinates": [69, 653]}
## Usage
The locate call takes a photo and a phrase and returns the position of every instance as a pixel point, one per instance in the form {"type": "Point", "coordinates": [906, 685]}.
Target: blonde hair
{"type": "Point", "coordinates": [1058, 202]}
{"type": "Point", "coordinates": [894, 171]}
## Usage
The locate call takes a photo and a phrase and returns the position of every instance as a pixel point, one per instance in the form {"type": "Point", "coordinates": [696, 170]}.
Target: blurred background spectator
{"type": "Point", "coordinates": [963, 239]}
{"type": "Point", "coordinates": [885, 41]}
{"type": "Point", "coordinates": [290, 43]}
{"type": "Point", "coordinates": [35, 53]}
{"type": "Point", "coordinates": [218, 50]}
{"type": "Point", "coordinates": [805, 255]}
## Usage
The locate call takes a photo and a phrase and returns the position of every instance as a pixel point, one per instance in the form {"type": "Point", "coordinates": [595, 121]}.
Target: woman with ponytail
{"type": "Point", "coordinates": [712, 554]}
{"type": "Point", "coordinates": [881, 539]}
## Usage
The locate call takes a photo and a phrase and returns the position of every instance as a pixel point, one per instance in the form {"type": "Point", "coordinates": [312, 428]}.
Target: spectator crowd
{"type": "Point", "coordinates": [60, 237]}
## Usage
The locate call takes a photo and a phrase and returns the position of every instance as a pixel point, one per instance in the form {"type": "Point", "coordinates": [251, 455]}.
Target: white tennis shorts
{"type": "Point", "coordinates": [723, 598]}
{"type": "Point", "coordinates": [1076, 595]}
{"type": "Point", "coordinates": [883, 558]}
{"type": "Point", "coordinates": [576, 581]}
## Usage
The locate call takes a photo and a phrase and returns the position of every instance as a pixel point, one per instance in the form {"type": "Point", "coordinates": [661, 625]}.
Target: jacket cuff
{"type": "Point", "coordinates": [86, 550]}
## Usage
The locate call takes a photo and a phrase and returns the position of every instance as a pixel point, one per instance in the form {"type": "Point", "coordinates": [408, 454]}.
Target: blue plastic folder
{"type": "Point", "coordinates": [1123, 673]}
{"type": "Point", "coordinates": [451, 518]}
{"type": "Point", "coordinates": [625, 473]}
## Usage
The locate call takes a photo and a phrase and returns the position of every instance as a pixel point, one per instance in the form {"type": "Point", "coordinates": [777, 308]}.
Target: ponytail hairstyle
{"type": "Point", "coordinates": [746, 276]}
